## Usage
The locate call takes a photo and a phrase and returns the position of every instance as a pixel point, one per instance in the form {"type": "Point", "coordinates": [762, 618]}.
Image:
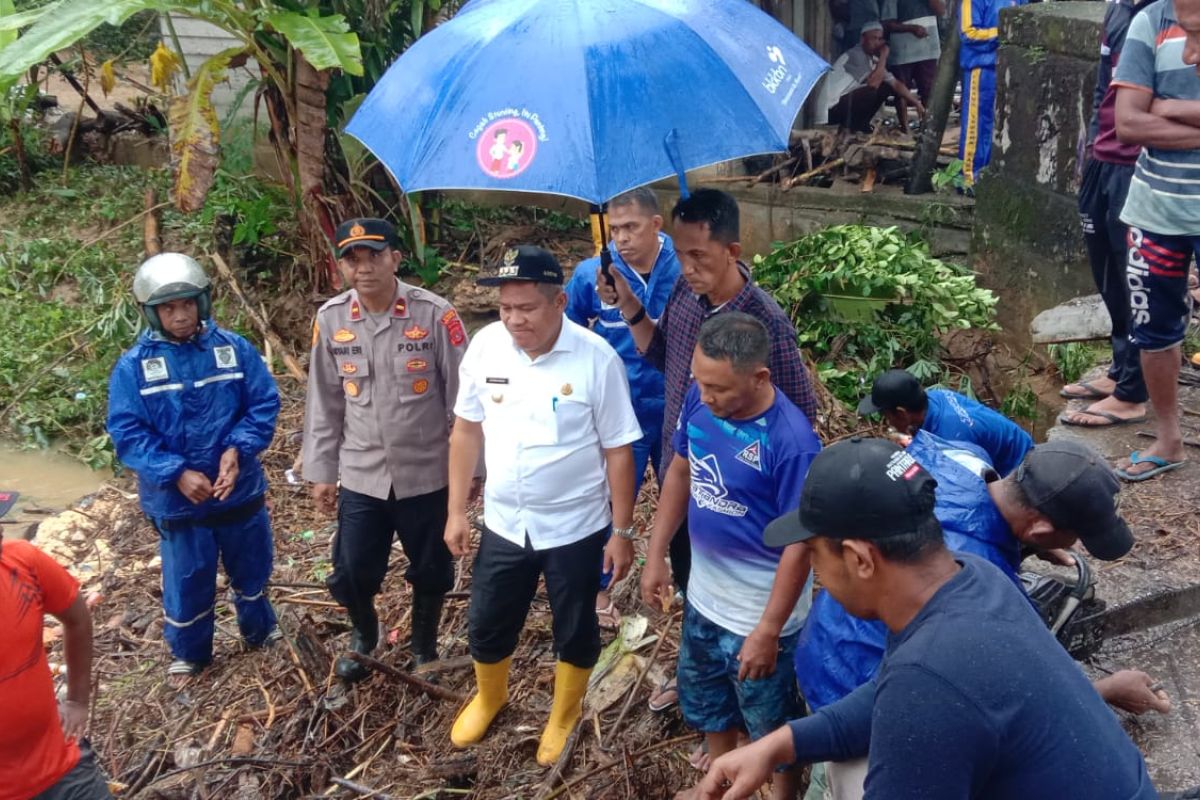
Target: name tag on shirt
{"type": "Point", "coordinates": [226, 357]}
{"type": "Point", "coordinates": [499, 381]}
{"type": "Point", "coordinates": [154, 369]}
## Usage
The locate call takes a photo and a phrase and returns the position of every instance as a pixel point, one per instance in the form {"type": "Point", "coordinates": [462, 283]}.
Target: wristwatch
{"type": "Point", "coordinates": [629, 534]}
{"type": "Point", "coordinates": [636, 318]}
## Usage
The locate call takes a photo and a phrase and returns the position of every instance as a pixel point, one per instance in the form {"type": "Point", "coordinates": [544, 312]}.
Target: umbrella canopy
{"type": "Point", "coordinates": [585, 98]}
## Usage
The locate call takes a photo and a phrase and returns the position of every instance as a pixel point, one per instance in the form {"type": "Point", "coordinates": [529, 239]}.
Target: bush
{"type": "Point", "coordinates": [867, 299]}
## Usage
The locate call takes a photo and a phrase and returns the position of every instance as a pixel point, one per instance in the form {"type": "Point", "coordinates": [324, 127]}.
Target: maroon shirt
{"type": "Point", "coordinates": [1103, 129]}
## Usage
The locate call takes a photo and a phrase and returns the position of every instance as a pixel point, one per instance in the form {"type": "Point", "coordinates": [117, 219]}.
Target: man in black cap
{"type": "Point", "coordinates": [382, 378]}
{"type": "Point", "coordinates": [974, 697]}
{"type": "Point", "coordinates": [908, 407]}
{"type": "Point", "coordinates": [552, 401]}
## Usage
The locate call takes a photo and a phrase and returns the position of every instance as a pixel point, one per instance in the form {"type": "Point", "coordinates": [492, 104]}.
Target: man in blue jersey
{"type": "Point", "coordinates": [1158, 108]}
{"type": "Point", "coordinates": [744, 451]}
{"type": "Point", "coordinates": [979, 32]}
{"type": "Point", "coordinates": [954, 711]}
{"type": "Point", "coordinates": [645, 258]}
{"type": "Point", "coordinates": [908, 407]}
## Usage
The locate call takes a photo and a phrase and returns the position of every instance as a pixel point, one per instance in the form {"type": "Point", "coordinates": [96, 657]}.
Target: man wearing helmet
{"type": "Point", "coordinates": [190, 407]}
{"type": "Point", "coordinates": [382, 378]}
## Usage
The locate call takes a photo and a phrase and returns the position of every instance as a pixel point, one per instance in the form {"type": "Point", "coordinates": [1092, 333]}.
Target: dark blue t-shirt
{"type": "Point", "coordinates": [975, 699]}
{"type": "Point", "coordinates": [958, 418]}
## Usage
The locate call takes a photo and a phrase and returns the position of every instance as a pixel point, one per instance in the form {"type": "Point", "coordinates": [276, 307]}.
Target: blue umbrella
{"type": "Point", "coordinates": [585, 98]}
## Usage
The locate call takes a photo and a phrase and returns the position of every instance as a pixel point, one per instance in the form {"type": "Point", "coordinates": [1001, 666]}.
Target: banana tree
{"type": "Point", "coordinates": [294, 47]}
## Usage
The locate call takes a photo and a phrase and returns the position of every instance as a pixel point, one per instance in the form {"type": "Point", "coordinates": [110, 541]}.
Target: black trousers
{"type": "Point", "coordinates": [1101, 197]}
{"type": "Point", "coordinates": [83, 782]}
{"type": "Point", "coordinates": [363, 544]}
{"type": "Point", "coordinates": [504, 580]}
{"type": "Point", "coordinates": [856, 109]}
{"type": "Point", "coordinates": [680, 551]}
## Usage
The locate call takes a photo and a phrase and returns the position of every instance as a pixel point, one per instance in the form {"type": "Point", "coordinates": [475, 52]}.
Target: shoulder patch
{"type": "Point", "coordinates": [454, 327]}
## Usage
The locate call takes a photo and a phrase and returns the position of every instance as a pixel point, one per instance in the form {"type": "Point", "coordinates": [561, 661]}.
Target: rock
{"type": "Point", "coordinates": [1081, 319]}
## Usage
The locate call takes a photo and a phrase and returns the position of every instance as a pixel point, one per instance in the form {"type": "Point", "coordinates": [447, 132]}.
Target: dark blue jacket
{"type": "Point", "coordinates": [958, 418]}
{"type": "Point", "coordinates": [175, 406]}
{"type": "Point", "coordinates": [838, 652]}
{"type": "Point", "coordinates": [584, 308]}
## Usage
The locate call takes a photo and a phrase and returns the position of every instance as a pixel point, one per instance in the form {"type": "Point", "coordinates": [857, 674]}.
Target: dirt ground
{"type": "Point", "coordinates": [1165, 516]}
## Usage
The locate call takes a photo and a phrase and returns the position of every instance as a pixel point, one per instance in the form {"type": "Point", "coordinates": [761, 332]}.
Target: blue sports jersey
{"type": "Point", "coordinates": [744, 474]}
{"type": "Point", "coordinates": [958, 418]}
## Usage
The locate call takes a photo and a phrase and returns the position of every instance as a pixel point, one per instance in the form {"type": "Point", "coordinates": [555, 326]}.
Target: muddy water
{"type": "Point", "coordinates": [46, 479]}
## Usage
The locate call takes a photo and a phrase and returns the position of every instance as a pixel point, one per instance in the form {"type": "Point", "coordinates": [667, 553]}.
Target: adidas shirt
{"type": "Point", "coordinates": [744, 474]}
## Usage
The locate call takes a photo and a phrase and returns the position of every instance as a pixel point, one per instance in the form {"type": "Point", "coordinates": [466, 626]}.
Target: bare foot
{"type": "Point", "coordinates": [700, 759]}
{"type": "Point", "coordinates": [1109, 411]}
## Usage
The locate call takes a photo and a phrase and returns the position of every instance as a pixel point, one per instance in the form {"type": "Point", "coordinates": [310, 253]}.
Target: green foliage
{"type": "Point", "coordinates": [1021, 402]}
{"type": "Point", "coordinates": [1072, 360]}
{"type": "Point", "coordinates": [326, 42]}
{"type": "Point", "coordinates": [867, 299]}
{"type": "Point", "coordinates": [66, 309]}
{"type": "Point", "coordinates": [949, 177]}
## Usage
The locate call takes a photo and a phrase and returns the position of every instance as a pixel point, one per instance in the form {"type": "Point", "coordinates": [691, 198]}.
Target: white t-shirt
{"type": "Point", "coordinates": [546, 423]}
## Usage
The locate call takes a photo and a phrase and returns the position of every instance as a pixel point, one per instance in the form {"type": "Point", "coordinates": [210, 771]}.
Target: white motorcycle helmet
{"type": "Point", "coordinates": [171, 276]}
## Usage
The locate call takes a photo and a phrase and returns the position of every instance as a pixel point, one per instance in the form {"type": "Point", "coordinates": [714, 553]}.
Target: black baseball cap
{"type": "Point", "coordinates": [1071, 485]}
{"type": "Point", "coordinates": [364, 232]}
{"type": "Point", "coordinates": [859, 489]}
{"type": "Point", "coordinates": [524, 263]}
{"type": "Point", "coordinates": [896, 388]}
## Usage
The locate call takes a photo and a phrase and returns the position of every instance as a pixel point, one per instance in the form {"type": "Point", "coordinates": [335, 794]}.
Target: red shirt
{"type": "Point", "coordinates": [34, 753]}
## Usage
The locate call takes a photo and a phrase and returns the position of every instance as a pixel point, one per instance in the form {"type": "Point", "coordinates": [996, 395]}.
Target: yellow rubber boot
{"type": "Point", "coordinates": [570, 685]}
{"type": "Point", "coordinates": [491, 694]}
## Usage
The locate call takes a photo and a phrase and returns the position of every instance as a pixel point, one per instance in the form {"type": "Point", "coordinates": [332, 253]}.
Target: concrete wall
{"type": "Point", "coordinates": [200, 40]}
{"type": "Point", "coordinates": [1027, 240]}
{"type": "Point", "coordinates": [769, 215]}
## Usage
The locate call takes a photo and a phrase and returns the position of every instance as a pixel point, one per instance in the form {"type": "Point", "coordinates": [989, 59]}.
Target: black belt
{"type": "Point", "coordinates": [228, 516]}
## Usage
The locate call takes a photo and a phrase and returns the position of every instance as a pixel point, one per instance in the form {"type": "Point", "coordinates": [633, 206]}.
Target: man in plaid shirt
{"type": "Point", "coordinates": [712, 280]}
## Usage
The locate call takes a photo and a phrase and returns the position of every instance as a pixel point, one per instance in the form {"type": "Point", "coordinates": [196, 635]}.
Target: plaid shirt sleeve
{"type": "Point", "coordinates": [787, 367]}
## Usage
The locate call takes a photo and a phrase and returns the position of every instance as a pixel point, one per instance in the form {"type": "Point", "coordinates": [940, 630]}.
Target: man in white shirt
{"type": "Point", "coordinates": [858, 84]}
{"type": "Point", "coordinates": [552, 400]}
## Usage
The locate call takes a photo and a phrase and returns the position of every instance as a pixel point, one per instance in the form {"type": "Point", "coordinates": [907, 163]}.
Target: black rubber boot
{"type": "Point", "coordinates": [426, 618]}
{"type": "Point", "coordinates": [363, 639]}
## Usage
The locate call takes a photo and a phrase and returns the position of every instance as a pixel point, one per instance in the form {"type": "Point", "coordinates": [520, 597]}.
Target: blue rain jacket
{"type": "Point", "coordinates": [958, 418]}
{"type": "Point", "coordinates": [175, 406]}
{"type": "Point", "coordinates": [584, 307]}
{"type": "Point", "coordinates": [838, 652]}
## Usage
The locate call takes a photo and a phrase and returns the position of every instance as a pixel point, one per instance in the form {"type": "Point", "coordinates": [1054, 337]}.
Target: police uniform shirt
{"type": "Point", "coordinates": [546, 422]}
{"type": "Point", "coordinates": [380, 392]}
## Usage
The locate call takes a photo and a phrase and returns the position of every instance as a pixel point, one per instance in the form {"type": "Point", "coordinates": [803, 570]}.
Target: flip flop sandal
{"type": "Point", "coordinates": [665, 696]}
{"type": "Point", "coordinates": [1113, 419]}
{"type": "Point", "coordinates": [1091, 393]}
{"type": "Point", "coordinates": [608, 617]}
{"type": "Point", "coordinates": [1161, 465]}
{"type": "Point", "coordinates": [188, 669]}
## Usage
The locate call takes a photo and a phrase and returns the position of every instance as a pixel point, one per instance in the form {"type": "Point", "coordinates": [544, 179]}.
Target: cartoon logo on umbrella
{"type": "Point", "coordinates": [506, 147]}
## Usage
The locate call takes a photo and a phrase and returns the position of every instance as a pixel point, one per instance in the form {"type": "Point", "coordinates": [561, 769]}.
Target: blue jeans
{"type": "Point", "coordinates": [711, 696]}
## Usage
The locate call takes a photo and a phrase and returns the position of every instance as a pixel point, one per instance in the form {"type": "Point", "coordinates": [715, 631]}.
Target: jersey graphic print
{"type": "Point", "coordinates": [751, 455]}
{"type": "Point", "coordinates": [708, 488]}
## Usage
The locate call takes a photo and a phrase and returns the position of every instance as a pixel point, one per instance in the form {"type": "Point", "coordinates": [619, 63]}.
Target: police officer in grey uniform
{"type": "Point", "coordinates": [382, 380]}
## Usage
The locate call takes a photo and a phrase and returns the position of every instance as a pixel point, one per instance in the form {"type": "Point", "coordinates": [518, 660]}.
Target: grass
{"type": "Point", "coordinates": [67, 258]}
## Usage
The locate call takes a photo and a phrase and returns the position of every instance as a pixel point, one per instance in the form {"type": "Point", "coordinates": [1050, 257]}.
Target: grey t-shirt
{"type": "Point", "coordinates": [907, 48]}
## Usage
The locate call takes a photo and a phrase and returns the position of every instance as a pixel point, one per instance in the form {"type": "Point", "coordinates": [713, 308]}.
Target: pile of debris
{"type": "Point", "coordinates": [277, 724]}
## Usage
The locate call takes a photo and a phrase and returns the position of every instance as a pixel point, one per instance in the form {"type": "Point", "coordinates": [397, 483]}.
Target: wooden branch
{"type": "Point", "coordinates": [828, 166]}
{"type": "Point", "coordinates": [628, 761]}
{"type": "Point", "coordinates": [289, 361]}
{"type": "Point", "coordinates": [428, 688]}
{"type": "Point", "coordinates": [150, 230]}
